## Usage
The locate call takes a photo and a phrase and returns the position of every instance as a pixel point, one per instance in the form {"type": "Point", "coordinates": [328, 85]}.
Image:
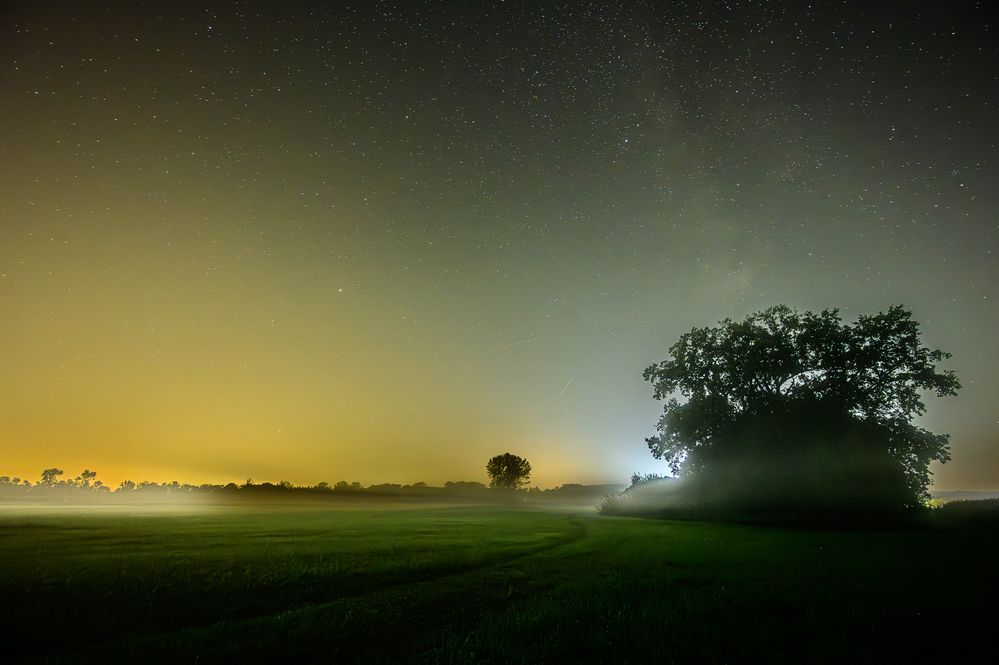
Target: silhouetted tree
{"type": "Point", "coordinates": [49, 476]}
{"type": "Point", "coordinates": [508, 471]}
{"type": "Point", "coordinates": [790, 392]}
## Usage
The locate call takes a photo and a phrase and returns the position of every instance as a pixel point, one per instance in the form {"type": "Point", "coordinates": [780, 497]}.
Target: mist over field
{"type": "Point", "coordinates": [477, 584]}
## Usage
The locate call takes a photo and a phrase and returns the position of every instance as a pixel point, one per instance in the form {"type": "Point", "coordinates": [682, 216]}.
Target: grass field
{"type": "Point", "coordinates": [478, 584]}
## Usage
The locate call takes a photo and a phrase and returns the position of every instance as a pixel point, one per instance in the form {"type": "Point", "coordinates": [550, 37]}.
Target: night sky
{"type": "Point", "coordinates": [384, 242]}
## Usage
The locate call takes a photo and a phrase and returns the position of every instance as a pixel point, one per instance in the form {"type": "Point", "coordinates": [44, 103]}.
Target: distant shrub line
{"type": "Point", "coordinates": [51, 486]}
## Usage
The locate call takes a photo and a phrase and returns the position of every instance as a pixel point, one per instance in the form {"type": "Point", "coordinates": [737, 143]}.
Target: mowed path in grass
{"type": "Point", "coordinates": [479, 584]}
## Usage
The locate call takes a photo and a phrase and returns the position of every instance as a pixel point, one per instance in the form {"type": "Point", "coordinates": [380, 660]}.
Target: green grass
{"type": "Point", "coordinates": [471, 585]}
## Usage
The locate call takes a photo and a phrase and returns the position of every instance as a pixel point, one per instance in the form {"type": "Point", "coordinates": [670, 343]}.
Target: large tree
{"type": "Point", "coordinates": [782, 390]}
{"type": "Point", "coordinates": [508, 471]}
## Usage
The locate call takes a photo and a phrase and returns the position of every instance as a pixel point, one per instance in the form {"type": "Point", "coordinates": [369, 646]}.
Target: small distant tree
{"type": "Point", "coordinates": [86, 478]}
{"type": "Point", "coordinates": [508, 471]}
{"type": "Point", "coordinates": [49, 476]}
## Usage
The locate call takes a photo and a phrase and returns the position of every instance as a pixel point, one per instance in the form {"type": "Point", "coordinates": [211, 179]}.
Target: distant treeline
{"type": "Point", "coordinates": [85, 487]}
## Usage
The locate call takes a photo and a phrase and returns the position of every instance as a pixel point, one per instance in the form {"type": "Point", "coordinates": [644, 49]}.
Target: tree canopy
{"type": "Point", "coordinates": [508, 471]}
{"type": "Point", "coordinates": [780, 381]}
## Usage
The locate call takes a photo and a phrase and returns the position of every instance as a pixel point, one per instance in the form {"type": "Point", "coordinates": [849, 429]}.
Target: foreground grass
{"type": "Point", "coordinates": [464, 585]}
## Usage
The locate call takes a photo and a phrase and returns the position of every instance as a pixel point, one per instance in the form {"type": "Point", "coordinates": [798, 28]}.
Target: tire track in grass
{"type": "Point", "coordinates": [439, 584]}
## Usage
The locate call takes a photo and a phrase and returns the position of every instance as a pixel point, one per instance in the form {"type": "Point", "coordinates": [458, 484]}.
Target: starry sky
{"type": "Point", "coordinates": [384, 241]}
